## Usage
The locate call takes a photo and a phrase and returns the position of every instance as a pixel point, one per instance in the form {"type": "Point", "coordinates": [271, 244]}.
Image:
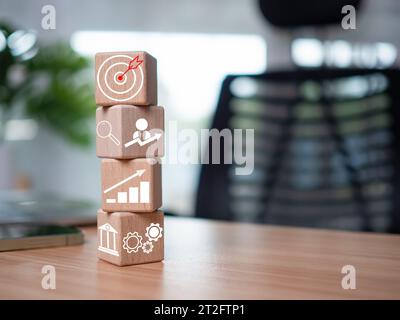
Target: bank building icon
{"type": "Point", "coordinates": [108, 239]}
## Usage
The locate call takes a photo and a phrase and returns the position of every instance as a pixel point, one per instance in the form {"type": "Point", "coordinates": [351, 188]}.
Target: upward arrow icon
{"type": "Point", "coordinates": [141, 142]}
{"type": "Point", "coordinates": [138, 173]}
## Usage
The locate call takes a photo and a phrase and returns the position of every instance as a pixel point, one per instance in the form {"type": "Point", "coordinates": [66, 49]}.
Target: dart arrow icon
{"type": "Point", "coordinates": [133, 64]}
{"type": "Point", "coordinates": [141, 142]}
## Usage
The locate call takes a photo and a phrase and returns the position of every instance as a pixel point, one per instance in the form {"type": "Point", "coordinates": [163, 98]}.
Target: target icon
{"type": "Point", "coordinates": [120, 77]}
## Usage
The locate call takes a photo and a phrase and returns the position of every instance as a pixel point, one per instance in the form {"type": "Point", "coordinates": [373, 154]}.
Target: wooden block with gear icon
{"type": "Point", "coordinates": [129, 132]}
{"type": "Point", "coordinates": [126, 238]}
{"type": "Point", "coordinates": [126, 78]}
{"type": "Point", "coordinates": [131, 185]}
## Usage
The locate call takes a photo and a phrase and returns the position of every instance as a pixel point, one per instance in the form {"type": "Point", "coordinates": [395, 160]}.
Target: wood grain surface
{"type": "Point", "coordinates": [120, 121]}
{"type": "Point", "coordinates": [117, 84]}
{"type": "Point", "coordinates": [114, 172]}
{"type": "Point", "coordinates": [216, 260]}
{"type": "Point", "coordinates": [133, 244]}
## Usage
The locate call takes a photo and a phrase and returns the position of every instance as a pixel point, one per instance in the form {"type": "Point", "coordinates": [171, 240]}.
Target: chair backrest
{"type": "Point", "coordinates": [293, 14]}
{"type": "Point", "coordinates": [326, 150]}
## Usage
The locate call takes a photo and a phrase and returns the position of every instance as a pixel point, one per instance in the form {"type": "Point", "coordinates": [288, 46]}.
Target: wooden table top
{"type": "Point", "coordinates": [216, 260]}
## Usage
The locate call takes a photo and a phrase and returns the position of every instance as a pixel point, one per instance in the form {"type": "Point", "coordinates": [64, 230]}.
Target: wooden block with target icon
{"type": "Point", "coordinates": [130, 132]}
{"type": "Point", "coordinates": [126, 238]}
{"type": "Point", "coordinates": [131, 185]}
{"type": "Point", "coordinates": [126, 78]}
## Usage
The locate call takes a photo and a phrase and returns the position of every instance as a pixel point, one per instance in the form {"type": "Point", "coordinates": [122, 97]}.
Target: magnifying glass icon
{"type": "Point", "coordinates": [104, 131]}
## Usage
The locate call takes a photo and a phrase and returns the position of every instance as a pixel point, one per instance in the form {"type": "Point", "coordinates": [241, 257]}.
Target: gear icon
{"type": "Point", "coordinates": [132, 242]}
{"type": "Point", "coordinates": [147, 247]}
{"type": "Point", "coordinates": [154, 232]}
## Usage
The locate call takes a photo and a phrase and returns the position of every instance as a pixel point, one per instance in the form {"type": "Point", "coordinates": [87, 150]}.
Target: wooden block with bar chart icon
{"type": "Point", "coordinates": [131, 185]}
{"type": "Point", "coordinates": [129, 132]}
{"type": "Point", "coordinates": [126, 78]}
{"type": "Point", "coordinates": [126, 238]}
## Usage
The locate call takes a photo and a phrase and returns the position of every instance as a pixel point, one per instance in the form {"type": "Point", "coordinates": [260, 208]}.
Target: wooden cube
{"type": "Point", "coordinates": [126, 238]}
{"type": "Point", "coordinates": [131, 185]}
{"type": "Point", "coordinates": [126, 78]}
{"type": "Point", "coordinates": [129, 132]}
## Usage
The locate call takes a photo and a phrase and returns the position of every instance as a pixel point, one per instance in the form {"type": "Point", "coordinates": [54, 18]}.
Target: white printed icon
{"type": "Point", "coordinates": [108, 243]}
{"type": "Point", "coordinates": [132, 242]}
{"type": "Point", "coordinates": [120, 75]}
{"type": "Point", "coordinates": [142, 136]}
{"type": "Point", "coordinates": [138, 194]}
{"type": "Point", "coordinates": [104, 131]}
{"type": "Point", "coordinates": [147, 247]}
{"type": "Point", "coordinates": [154, 232]}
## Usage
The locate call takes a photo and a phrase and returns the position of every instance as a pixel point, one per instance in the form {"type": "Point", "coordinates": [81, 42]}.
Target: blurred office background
{"type": "Point", "coordinates": [197, 44]}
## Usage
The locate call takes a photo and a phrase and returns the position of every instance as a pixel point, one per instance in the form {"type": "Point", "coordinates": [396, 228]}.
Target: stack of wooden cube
{"type": "Point", "coordinates": [130, 139]}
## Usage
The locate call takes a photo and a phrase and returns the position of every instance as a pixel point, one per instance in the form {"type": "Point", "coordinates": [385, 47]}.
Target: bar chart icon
{"type": "Point", "coordinates": [140, 194]}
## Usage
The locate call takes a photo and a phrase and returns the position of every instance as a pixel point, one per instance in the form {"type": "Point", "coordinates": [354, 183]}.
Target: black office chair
{"type": "Point", "coordinates": [326, 150]}
{"type": "Point", "coordinates": [326, 143]}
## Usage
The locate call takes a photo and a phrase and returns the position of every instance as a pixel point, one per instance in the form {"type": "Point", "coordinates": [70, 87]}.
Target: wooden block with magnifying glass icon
{"type": "Point", "coordinates": [126, 77]}
{"type": "Point", "coordinates": [131, 185]}
{"type": "Point", "coordinates": [129, 132]}
{"type": "Point", "coordinates": [126, 238]}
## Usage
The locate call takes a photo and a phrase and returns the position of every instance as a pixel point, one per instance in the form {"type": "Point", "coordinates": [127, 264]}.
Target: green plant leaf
{"type": "Point", "coordinates": [56, 89]}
